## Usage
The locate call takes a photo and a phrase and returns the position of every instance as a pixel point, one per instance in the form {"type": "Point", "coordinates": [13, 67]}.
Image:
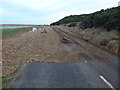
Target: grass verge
{"type": "Point", "coordinates": [10, 32]}
{"type": "Point", "coordinates": [5, 79]}
{"type": "Point", "coordinates": [99, 32]}
{"type": "Point", "coordinates": [0, 83]}
{"type": "Point", "coordinates": [108, 40]}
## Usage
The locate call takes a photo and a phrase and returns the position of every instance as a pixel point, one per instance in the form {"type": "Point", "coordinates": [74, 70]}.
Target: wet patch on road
{"type": "Point", "coordinates": [81, 54]}
{"type": "Point", "coordinates": [68, 47]}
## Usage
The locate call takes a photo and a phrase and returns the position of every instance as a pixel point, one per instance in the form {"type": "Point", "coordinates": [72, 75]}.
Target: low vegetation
{"type": "Point", "coordinates": [108, 19]}
{"type": "Point", "coordinates": [5, 79]}
{"type": "Point", "coordinates": [0, 83]}
{"type": "Point", "coordinates": [100, 28]}
{"type": "Point", "coordinates": [70, 19]}
{"type": "Point", "coordinates": [5, 33]}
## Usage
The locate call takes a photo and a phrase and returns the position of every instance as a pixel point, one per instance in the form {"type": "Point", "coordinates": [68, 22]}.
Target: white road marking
{"type": "Point", "coordinates": [107, 82]}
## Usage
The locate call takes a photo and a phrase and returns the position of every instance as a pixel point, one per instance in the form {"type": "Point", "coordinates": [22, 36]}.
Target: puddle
{"type": "Point", "coordinates": [78, 50]}
{"type": "Point", "coordinates": [34, 29]}
{"type": "Point", "coordinates": [67, 47]}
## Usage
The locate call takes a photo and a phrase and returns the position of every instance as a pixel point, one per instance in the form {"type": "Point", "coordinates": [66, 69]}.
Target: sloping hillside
{"type": "Point", "coordinates": [71, 18]}
{"type": "Point", "coordinates": [108, 19]}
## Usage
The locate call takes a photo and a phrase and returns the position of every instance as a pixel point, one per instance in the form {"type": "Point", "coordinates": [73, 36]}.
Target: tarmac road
{"type": "Point", "coordinates": [60, 75]}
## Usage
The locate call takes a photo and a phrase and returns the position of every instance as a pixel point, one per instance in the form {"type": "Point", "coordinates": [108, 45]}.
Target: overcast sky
{"type": "Point", "coordinates": [47, 11]}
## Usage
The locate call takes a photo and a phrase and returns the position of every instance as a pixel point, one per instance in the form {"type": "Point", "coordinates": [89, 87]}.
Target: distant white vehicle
{"type": "Point", "coordinates": [34, 29]}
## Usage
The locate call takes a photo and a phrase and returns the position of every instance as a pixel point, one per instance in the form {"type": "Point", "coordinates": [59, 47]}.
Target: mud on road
{"type": "Point", "coordinates": [48, 44]}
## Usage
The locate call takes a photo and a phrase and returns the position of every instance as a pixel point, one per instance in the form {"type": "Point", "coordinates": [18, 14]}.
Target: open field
{"type": "Point", "coordinates": [17, 25]}
{"type": "Point", "coordinates": [10, 32]}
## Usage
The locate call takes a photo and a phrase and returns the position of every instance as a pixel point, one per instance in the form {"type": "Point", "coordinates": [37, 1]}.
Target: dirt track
{"type": "Point", "coordinates": [39, 46]}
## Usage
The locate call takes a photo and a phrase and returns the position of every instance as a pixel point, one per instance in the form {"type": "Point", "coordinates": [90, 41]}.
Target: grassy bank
{"type": "Point", "coordinates": [102, 38]}
{"type": "Point", "coordinates": [10, 32]}
{"type": "Point", "coordinates": [107, 40]}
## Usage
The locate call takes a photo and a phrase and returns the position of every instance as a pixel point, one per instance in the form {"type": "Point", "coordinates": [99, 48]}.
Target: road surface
{"type": "Point", "coordinates": [77, 65]}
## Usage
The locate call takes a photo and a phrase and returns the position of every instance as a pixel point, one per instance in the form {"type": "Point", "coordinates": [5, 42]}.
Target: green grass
{"type": "Point", "coordinates": [102, 33]}
{"type": "Point", "coordinates": [118, 44]}
{"type": "Point", "coordinates": [5, 33]}
{"type": "Point", "coordinates": [0, 33]}
{"type": "Point", "coordinates": [5, 79]}
{"type": "Point", "coordinates": [0, 83]}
